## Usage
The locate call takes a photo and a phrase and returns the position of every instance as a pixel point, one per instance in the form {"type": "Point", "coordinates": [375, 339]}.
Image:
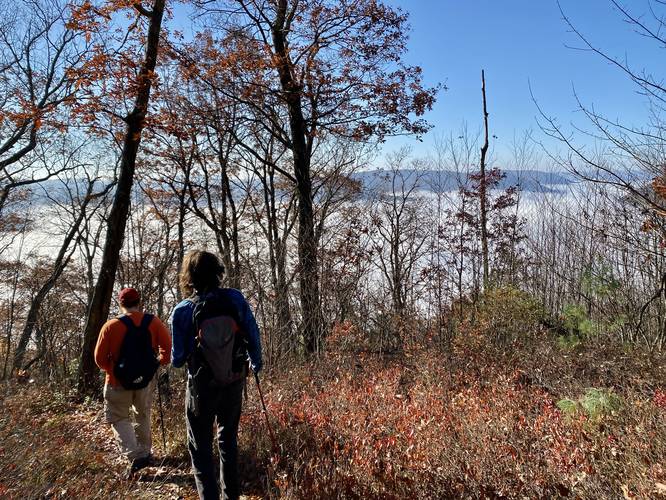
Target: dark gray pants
{"type": "Point", "coordinates": [223, 404]}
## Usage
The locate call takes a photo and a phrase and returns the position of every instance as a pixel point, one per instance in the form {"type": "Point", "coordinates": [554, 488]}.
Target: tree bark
{"type": "Point", "coordinates": [98, 309]}
{"type": "Point", "coordinates": [9, 324]}
{"type": "Point", "coordinates": [278, 261]}
{"type": "Point", "coordinates": [229, 219]}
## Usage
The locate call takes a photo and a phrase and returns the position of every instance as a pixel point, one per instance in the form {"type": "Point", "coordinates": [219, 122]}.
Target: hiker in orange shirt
{"type": "Point", "coordinates": [129, 349]}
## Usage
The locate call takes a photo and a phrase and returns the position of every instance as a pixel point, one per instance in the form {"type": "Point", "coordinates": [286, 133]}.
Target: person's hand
{"type": "Point", "coordinates": [256, 368]}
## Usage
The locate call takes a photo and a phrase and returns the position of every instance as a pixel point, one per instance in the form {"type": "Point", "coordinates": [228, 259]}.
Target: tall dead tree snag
{"type": "Point", "coordinates": [483, 184]}
{"type": "Point", "coordinates": [98, 309]}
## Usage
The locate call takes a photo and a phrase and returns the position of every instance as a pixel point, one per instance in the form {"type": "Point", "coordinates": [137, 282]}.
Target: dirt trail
{"type": "Point", "coordinates": [53, 447]}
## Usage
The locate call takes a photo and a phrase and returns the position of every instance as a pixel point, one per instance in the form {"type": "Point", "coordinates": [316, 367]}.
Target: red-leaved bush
{"type": "Point", "coordinates": [428, 425]}
{"type": "Point", "coordinates": [528, 421]}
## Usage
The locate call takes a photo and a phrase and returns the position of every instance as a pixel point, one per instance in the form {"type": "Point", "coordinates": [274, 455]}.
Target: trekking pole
{"type": "Point", "coordinates": [159, 397]}
{"type": "Point", "coordinates": [276, 449]}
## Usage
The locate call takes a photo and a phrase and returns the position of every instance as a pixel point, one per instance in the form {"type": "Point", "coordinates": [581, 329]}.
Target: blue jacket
{"type": "Point", "coordinates": [183, 336]}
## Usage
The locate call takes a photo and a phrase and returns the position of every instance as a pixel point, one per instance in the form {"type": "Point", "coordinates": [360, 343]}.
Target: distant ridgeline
{"type": "Point", "coordinates": [62, 191]}
{"type": "Point", "coordinates": [529, 181]}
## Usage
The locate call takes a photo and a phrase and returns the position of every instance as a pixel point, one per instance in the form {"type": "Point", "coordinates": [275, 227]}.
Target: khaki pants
{"type": "Point", "coordinates": [134, 440]}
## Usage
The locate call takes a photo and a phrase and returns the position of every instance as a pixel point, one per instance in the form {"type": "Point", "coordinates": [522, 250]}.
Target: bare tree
{"type": "Point", "coordinates": [326, 74]}
{"type": "Point", "coordinates": [627, 160]}
{"type": "Point", "coordinates": [38, 53]}
{"type": "Point", "coordinates": [10, 271]}
{"type": "Point", "coordinates": [77, 203]}
{"type": "Point", "coordinates": [401, 235]}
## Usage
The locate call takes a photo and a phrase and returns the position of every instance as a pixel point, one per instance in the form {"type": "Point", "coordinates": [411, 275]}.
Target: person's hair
{"type": "Point", "coordinates": [200, 271]}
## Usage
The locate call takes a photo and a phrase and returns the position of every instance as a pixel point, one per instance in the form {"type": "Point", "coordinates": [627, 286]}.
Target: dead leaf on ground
{"type": "Point", "coordinates": [660, 488]}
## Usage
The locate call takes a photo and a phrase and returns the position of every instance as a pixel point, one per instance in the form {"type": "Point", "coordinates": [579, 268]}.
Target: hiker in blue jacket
{"type": "Point", "coordinates": [208, 310]}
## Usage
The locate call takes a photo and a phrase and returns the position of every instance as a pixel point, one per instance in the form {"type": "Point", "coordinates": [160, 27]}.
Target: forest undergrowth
{"type": "Point", "coordinates": [526, 421]}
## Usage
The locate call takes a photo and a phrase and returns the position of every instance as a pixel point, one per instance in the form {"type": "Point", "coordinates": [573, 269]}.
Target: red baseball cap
{"type": "Point", "coordinates": [128, 296]}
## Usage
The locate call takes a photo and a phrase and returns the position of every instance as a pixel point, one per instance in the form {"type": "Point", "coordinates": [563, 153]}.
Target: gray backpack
{"type": "Point", "coordinates": [220, 355]}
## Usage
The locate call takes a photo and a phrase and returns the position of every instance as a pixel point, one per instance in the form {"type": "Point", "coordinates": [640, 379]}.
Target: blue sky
{"type": "Point", "coordinates": [518, 43]}
{"type": "Point", "coordinates": [521, 43]}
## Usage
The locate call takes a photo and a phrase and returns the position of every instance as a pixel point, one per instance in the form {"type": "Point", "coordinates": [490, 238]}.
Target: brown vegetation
{"type": "Point", "coordinates": [478, 422]}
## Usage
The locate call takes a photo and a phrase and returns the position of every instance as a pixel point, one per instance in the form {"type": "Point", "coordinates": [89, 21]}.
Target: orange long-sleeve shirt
{"type": "Point", "coordinates": [111, 338]}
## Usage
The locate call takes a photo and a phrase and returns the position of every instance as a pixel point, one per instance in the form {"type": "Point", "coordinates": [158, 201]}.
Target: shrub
{"type": "Point", "coordinates": [600, 402]}
{"type": "Point", "coordinates": [568, 341]}
{"type": "Point", "coordinates": [599, 281]}
{"type": "Point", "coordinates": [576, 321]}
{"type": "Point", "coordinates": [580, 326]}
{"type": "Point", "coordinates": [345, 336]}
{"type": "Point", "coordinates": [508, 314]}
{"type": "Point", "coordinates": [595, 404]}
{"type": "Point", "coordinates": [422, 425]}
{"type": "Point", "coordinates": [567, 406]}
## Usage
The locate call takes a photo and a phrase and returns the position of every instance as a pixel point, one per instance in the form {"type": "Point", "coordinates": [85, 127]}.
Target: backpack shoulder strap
{"type": "Point", "coordinates": [228, 305]}
{"type": "Point", "coordinates": [145, 321]}
{"type": "Point", "coordinates": [127, 321]}
{"type": "Point", "coordinates": [197, 301]}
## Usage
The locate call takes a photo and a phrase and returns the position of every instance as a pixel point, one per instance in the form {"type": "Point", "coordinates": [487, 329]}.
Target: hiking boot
{"type": "Point", "coordinates": [138, 464]}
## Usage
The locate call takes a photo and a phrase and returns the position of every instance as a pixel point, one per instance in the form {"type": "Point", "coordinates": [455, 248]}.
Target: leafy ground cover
{"type": "Point", "coordinates": [473, 423]}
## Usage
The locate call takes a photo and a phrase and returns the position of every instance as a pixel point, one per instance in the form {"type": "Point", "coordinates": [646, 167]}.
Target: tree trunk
{"type": "Point", "coordinates": [234, 258]}
{"type": "Point", "coordinates": [311, 320]}
{"type": "Point", "coordinates": [231, 255]}
{"type": "Point", "coordinates": [307, 256]}
{"type": "Point", "coordinates": [182, 213]}
{"type": "Point", "coordinates": [164, 269]}
{"type": "Point", "coordinates": [9, 325]}
{"type": "Point", "coordinates": [483, 196]}
{"type": "Point", "coordinates": [277, 254]}
{"type": "Point", "coordinates": [98, 309]}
